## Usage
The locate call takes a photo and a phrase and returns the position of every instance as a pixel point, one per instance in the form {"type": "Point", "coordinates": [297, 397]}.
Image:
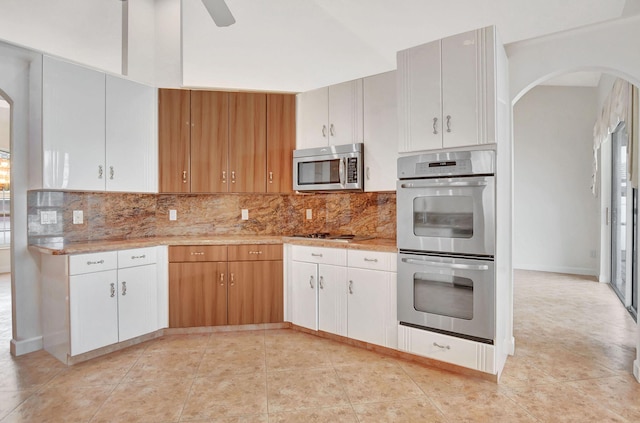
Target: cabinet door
{"type": "Point", "coordinates": [197, 294]}
{"type": "Point", "coordinates": [419, 98]}
{"type": "Point", "coordinates": [371, 308]}
{"type": "Point", "coordinates": [137, 301]}
{"type": "Point", "coordinates": [209, 141]}
{"type": "Point", "coordinates": [313, 119]}
{"type": "Point", "coordinates": [73, 126]}
{"type": "Point", "coordinates": [460, 89]}
{"type": "Point", "coordinates": [247, 142]}
{"type": "Point", "coordinates": [380, 128]}
{"type": "Point", "coordinates": [131, 136]}
{"type": "Point", "coordinates": [93, 310]}
{"type": "Point", "coordinates": [255, 292]}
{"type": "Point", "coordinates": [304, 280]}
{"type": "Point", "coordinates": [281, 141]}
{"type": "Point", "coordinates": [345, 113]}
{"type": "Point", "coordinates": [332, 299]}
{"type": "Point", "coordinates": [174, 129]}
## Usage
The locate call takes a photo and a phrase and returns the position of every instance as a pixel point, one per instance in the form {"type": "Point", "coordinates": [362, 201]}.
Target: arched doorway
{"type": "Point", "coordinates": [607, 47]}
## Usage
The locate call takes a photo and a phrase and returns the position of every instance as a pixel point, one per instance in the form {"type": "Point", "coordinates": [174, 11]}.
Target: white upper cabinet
{"type": "Point", "coordinates": [73, 126]}
{"type": "Point", "coordinates": [380, 132]}
{"type": "Point", "coordinates": [330, 115]}
{"type": "Point", "coordinates": [446, 92]}
{"type": "Point", "coordinates": [99, 132]}
{"type": "Point", "coordinates": [131, 136]}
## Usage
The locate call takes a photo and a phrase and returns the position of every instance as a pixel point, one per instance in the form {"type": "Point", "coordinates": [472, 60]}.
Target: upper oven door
{"type": "Point", "coordinates": [447, 215]}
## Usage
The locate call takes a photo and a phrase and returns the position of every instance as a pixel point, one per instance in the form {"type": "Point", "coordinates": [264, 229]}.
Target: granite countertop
{"type": "Point", "coordinates": [62, 248]}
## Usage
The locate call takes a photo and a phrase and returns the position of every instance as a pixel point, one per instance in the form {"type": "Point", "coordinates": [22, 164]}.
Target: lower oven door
{"type": "Point", "coordinates": [446, 294]}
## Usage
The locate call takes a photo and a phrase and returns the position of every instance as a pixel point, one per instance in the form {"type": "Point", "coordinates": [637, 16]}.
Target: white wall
{"type": "Point", "coordinates": [556, 217]}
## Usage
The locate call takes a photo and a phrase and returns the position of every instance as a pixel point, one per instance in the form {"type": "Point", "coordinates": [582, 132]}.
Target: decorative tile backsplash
{"type": "Point", "coordinates": [113, 216]}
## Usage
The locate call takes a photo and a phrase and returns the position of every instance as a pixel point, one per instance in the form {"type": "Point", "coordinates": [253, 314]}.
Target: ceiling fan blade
{"type": "Point", "coordinates": [219, 12]}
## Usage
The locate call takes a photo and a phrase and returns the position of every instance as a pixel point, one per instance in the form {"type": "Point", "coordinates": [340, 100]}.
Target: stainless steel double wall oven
{"type": "Point", "coordinates": [446, 238]}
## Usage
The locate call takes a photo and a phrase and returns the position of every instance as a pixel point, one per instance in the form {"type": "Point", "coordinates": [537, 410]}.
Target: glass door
{"type": "Point", "coordinates": [622, 218]}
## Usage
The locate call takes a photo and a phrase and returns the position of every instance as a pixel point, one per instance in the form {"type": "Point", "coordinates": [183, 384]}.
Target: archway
{"type": "Point", "coordinates": [607, 47]}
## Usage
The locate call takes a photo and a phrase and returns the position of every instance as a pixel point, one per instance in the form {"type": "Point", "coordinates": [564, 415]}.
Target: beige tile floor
{"type": "Point", "coordinates": [575, 348]}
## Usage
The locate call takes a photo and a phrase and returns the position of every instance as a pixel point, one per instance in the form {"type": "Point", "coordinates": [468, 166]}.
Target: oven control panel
{"type": "Point", "coordinates": [453, 163]}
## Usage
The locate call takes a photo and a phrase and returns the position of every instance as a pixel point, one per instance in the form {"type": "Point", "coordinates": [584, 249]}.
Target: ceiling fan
{"type": "Point", "coordinates": [219, 12]}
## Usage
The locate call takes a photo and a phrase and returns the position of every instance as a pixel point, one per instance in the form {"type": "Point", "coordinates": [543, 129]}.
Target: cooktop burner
{"type": "Point", "coordinates": [336, 237]}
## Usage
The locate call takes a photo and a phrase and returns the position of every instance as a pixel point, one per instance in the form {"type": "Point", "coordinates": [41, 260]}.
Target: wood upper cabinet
{"type": "Point", "coordinates": [247, 142]}
{"type": "Point", "coordinates": [174, 140]}
{"type": "Point", "coordinates": [447, 92]}
{"type": "Point", "coordinates": [213, 141]}
{"type": "Point", "coordinates": [281, 141]}
{"type": "Point", "coordinates": [209, 141]}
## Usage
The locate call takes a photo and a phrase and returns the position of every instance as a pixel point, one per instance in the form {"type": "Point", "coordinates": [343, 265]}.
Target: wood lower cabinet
{"type": "Point", "coordinates": [225, 285]}
{"type": "Point", "coordinates": [197, 294]}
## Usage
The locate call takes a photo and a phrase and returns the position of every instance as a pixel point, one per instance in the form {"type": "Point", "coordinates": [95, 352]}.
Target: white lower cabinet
{"type": "Point", "coordinates": [345, 292]}
{"type": "Point", "coordinates": [98, 299]}
{"type": "Point", "coordinates": [461, 352]}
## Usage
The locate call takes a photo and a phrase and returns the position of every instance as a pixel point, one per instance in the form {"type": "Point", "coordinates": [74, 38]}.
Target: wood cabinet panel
{"type": "Point", "coordinates": [209, 141]}
{"type": "Point", "coordinates": [197, 294]}
{"type": "Point", "coordinates": [255, 292]}
{"type": "Point", "coordinates": [247, 142]}
{"type": "Point", "coordinates": [174, 132]}
{"type": "Point", "coordinates": [281, 141]}
{"type": "Point", "coordinates": [254, 252]}
{"type": "Point", "coordinates": [189, 253]}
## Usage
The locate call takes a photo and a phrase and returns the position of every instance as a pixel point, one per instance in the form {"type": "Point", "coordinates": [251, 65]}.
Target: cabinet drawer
{"type": "Point", "coordinates": [373, 260]}
{"type": "Point", "coordinates": [462, 352]}
{"type": "Point", "coordinates": [184, 253]}
{"type": "Point", "coordinates": [136, 257]}
{"type": "Point", "coordinates": [321, 255]}
{"type": "Point", "coordinates": [94, 262]}
{"type": "Point", "coordinates": [252, 252]}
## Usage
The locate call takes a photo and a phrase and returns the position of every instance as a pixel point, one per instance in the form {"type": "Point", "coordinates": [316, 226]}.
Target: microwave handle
{"type": "Point", "coordinates": [341, 170]}
{"type": "Point", "coordinates": [446, 265]}
{"type": "Point", "coordinates": [443, 184]}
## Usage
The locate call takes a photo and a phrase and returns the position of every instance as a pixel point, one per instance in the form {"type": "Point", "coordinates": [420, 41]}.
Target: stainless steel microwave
{"type": "Point", "coordinates": [331, 168]}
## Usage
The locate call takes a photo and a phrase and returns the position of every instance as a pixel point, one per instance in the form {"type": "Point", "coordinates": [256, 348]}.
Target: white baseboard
{"type": "Point", "coordinates": [511, 346]}
{"type": "Point", "coordinates": [557, 269]}
{"type": "Point", "coordinates": [636, 370]}
{"type": "Point", "coordinates": [26, 346]}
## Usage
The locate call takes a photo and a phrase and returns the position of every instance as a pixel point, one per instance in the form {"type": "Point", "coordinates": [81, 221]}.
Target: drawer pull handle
{"type": "Point", "coordinates": [311, 282]}
{"type": "Point", "coordinates": [442, 347]}
{"type": "Point", "coordinates": [111, 172]}
{"type": "Point", "coordinates": [138, 257]}
{"type": "Point", "coordinates": [270, 177]}
{"type": "Point", "coordinates": [197, 253]}
{"type": "Point", "coordinates": [89, 263]}
{"type": "Point", "coordinates": [100, 172]}
{"type": "Point", "coordinates": [255, 252]}
{"type": "Point", "coordinates": [371, 260]}
{"type": "Point", "coordinates": [124, 288]}
{"type": "Point", "coordinates": [233, 282]}
{"type": "Point", "coordinates": [316, 255]}
{"type": "Point", "coordinates": [221, 279]}
{"type": "Point", "coordinates": [224, 176]}
{"type": "Point", "coordinates": [113, 290]}
{"type": "Point", "coordinates": [184, 176]}
{"type": "Point", "coordinates": [350, 287]}
{"type": "Point", "coordinates": [321, 282]}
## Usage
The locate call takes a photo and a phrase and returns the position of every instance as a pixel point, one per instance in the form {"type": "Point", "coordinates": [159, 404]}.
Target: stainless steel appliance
{"type": "Point", "coordinates": [331, 168]}
{"type": "Point", "coordinates": [446, 237]}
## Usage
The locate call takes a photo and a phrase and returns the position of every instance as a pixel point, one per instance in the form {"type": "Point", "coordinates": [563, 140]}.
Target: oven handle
{"type": "Point", "coordinates": [454, 266]}
{"type": "Point", "coordinates": [444, 184]}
